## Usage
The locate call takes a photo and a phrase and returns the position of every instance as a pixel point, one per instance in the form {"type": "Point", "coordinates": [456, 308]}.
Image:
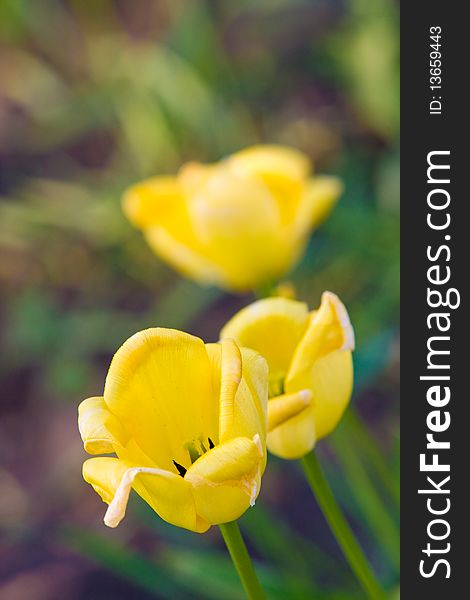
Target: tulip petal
{"type": "Point", "coordinates": [159, 384]}
{"type": "Point", "coordinates": [255, 374]}
{"type": "Point", "coordinates": [294, 438]}
{"type": "Point", "coordinates": [100, 430]}
{"type": "Point", "coordinates": [146, 203]}
{"type": "Point", "coordinates": [171, 498]}
{"type": "Point", "coordinates": [168, 494]}
{"type": "Point", "coordinates": [118, 505]}
{"type": "Point", "coordinates": [247, 401]}
{"type": "Point", "coordinates": [104, 474]}
{"type": "Point", "coordinates": [230, 377]}
{"type": "Point", "coordinates": [329, 329]}
{"type": "Point", "coordinates": [226, 479]}
{"type": "Point", "coordinates": [273, 327]}
{"type": "Point", "coordinates": [183, 256]}
{"type": "Point", "coordinates": [282, 408]}
{"type": "Point", "coordinates": [271, 160]}
{"type": "Point", "coordinates": [158, 207]}
{"type": "Point", "coordinates": [194, 175]}
{"type": "Point", "coordinates": [331, 382]}
{"type": "Point", "coordinates": [323, 363]}
{"type": "Point", "coordinates": [236, 221]}
{"type": "Point", "coordinates": [282, 170]}
{"type": "Point", "coordinates": [318, 198]}
{"type": "Point", "coordinates": [230, 207]}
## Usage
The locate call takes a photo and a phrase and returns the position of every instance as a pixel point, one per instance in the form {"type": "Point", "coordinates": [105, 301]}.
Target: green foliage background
{"type": "Point", "coordinates": [95, 95]}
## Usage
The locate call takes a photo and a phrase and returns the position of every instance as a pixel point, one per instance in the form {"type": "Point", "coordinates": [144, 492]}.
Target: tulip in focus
{"type": "Point", "coordinates": [239, 224]}
{"type": "Point", "coordinates": [310, 367]}
{"type": "Point", "coordinates": [187, 423]}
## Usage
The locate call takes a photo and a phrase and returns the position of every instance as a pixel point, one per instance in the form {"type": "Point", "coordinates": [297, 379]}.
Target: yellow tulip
{"type": "Point", "coordinates": [187, 423]}
{"type": "Point", "coordinates": [241, 223]}
{"type": "Point", "coordinates": [310, 367]}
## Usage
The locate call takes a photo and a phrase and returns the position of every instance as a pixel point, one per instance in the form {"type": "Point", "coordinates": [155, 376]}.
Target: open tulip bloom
{"type": "Point", "coordinates": [187, 421]}
{"type": "Point", "coordinates": [239, 224]}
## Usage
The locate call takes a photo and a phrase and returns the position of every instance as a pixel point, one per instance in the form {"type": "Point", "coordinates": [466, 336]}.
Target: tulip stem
{"type": "Point", "coordinates": [340, 528]}
{"type": "Point", "coordinates": [242, 561]}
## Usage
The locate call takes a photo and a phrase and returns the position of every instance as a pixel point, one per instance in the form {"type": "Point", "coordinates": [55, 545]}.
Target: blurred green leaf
{"type": "Point", "coordinates": [372, 75]}
{"type": "Point", "coordinates": [275, 540]}
{"type": "Point", "coordinates": [125, 563]}
{"type": "Point", "coordinates": [214, 576]}
{"type": "Point", "coordinates": [375, 514]}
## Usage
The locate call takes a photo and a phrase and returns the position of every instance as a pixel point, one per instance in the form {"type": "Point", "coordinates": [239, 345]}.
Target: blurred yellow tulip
{"type": "Point", "coordinates": [310, 367]}
{"type": "Point", "coordinates": [241, 223]}
{"type": "Point", "coordinates": [187, 421]}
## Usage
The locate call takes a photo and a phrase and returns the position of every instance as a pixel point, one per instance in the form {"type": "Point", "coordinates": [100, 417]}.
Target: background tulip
{"type": "Point", "coordinates": [238, 224]}
{"type": "Point", "coordinates": [187, 422]}
{"type": "Point", "coordinates": [310, 365]}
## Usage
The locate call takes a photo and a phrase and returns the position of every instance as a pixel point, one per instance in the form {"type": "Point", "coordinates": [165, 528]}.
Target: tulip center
{"type": "Point", "coordinates": [195, 448]}
{"type": "Point", "coordinates": [276, 385]}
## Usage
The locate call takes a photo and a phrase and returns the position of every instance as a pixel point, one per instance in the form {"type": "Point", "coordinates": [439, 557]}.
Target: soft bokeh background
{"type": "Point", "coordinates": [95, 95]}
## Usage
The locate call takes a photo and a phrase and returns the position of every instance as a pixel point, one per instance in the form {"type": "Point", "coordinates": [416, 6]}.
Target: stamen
{"type": "Point", "coordinates": [181, 470]}
{"type": "Point", "coordinates": [196, 448]}
{"type": "Point", "coordinates": [193, 450]}
{"type": "Point", "coordinates": [276, 386]}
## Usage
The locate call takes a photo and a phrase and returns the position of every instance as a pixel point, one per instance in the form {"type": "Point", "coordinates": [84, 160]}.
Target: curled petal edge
{"type": "Point", "coordinates": [117, 507]}
{"type": "Point", "coordinates": [343, 318]}
{"type": "Point", "coordinates": [285, 407]}
{"type": "Point", "coordinates": [247, 483]}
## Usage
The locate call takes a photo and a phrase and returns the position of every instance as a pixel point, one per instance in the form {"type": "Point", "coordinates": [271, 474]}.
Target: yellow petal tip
{"type": "Point", "coordinates": [258, 444]}
{"type": "Point", "coordinates": [305, 396]}
{"type": "Point", "coordinates": [343, 318]}
{"type": "Point", "coordinates": [285, 407]}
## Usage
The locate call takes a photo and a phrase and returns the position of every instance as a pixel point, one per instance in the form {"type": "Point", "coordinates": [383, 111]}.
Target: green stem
{"type": "Point", "coordinates": [242, 561]}
{"type": "Point", "coordinates": [340, 528]}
